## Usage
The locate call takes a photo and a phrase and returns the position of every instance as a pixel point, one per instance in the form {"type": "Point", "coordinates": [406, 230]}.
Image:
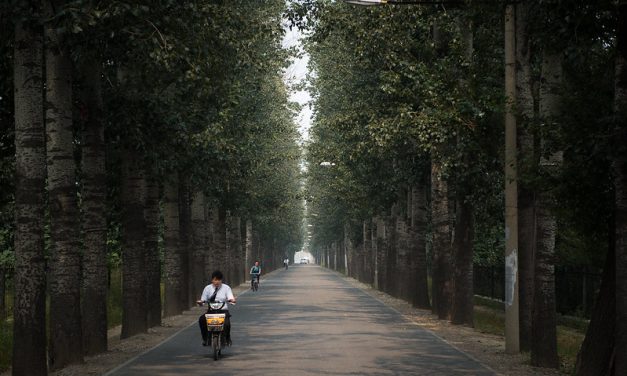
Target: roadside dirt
{"type": "Point", "coordinates": [486, 348]}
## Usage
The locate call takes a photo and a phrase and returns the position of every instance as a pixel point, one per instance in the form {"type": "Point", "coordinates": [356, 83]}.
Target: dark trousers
{"type": "Point", "coordinates": [202, 322]}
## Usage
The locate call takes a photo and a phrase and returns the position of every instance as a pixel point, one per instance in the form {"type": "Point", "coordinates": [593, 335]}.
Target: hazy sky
{"type": "Point", "coordinates": [294, 74]}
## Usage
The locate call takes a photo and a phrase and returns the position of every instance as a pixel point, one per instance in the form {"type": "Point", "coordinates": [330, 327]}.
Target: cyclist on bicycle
{"type": "Point", "coordinates": [255, 272]}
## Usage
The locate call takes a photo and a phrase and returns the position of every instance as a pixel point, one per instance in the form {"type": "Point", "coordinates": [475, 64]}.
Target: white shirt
{"type": "Point", "coordinates": [224, 294]}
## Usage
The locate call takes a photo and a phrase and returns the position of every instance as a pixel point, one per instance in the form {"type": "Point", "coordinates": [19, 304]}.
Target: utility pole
{"type": "Point", "coordinates": [512, 343]}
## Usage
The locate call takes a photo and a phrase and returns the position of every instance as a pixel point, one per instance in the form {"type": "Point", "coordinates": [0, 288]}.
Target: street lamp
{"type": "Point", "coordinates": [512, 334]}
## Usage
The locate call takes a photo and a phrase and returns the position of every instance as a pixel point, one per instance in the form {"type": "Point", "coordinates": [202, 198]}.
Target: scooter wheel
{"type": "Point", "coordinates": [215, 345]}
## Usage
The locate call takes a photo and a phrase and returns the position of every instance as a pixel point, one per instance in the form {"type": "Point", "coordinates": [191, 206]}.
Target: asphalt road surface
{"type": "Point", "coordinates": [309, 321]}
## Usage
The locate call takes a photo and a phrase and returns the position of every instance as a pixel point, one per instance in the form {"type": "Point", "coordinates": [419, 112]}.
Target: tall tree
{"type": "Point", "coordinates": [462, 309]}
{"type": "Point", "coordinates": [526, 201]}
{"type": "Point", "coordinates": [185, 240]}
{"type": "Point", "coordinates": [620, 183]}
{"type": "Point", "coordinates": [442, 259]}
{"type": "Point", "coordinates": [419, 244]}
{"type": "Point", "coordinates": [152, 220]}
{"type": "Point", "coordinates": [93, 206]}
{"type": "Point", "coordinates": [29, 340]}
{"type": "Point", "coordinates": [66, 342]}
{"type": "Point", "coordinates": [172, 260]}
{"type": "Point", "coordinates": [544, 320]}
{"type": "Point", "coordinates": [134, 317]}
{"type": "Point", "coordinates": [198, 277]}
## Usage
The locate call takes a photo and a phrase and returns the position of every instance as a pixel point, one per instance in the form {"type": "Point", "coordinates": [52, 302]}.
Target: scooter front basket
{"type": "Point", "coordinates": [215, 321]}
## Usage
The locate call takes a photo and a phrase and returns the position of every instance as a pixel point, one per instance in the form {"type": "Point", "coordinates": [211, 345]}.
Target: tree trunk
{"type": "Point", "coordinates": [374, 231]}
{"type": "Point", "coordinates": [228, 247]}
{"type": "Point", "coordinates": [93, 195]}
{"type": "Point", "coordinates": [418, 251]}
{"type": "Point", "coordinates": [367, 245]}
{"type": "Point", "coordinates": [595, 355]}
{"type": "Point", "coordinates": [185, 243]}
{"type": "Point", "coordinates": [151, 244]}
{"type": "Point", "coordinates": [544, 320]}
{"type": "Point", "coordinates": [219, 236]}
{"type": "Point", "coordinates": [526, 199]}
{"type": "Point", "coordinates": [442, 273]}
{"type": "Point", "coordinates": [66, 340]}
{"type": "Point", "coordinates": [249, 259]}
{"type": "Point", "coordinates": [199, 241]}
{"type": "Point", "coordinates": [134, 317]}
{"type": "Point", "coordinates": [210, 256]}
{"type": "Point", "coordinates": [235, 231]}
{"type": "Point", "coordinates": [3, 293]}
{"type": "Point", "coordinates": [620, 183]}
{"type": "Point", "coordinates": [172, 260]}
{"type": "Point", "coordinates": [29, 341]}
{"type": "Point", "coordinates": [463, 294]}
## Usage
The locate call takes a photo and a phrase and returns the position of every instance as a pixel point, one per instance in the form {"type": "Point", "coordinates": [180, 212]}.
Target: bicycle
{"type": "Point", "coordinates": [254, 282]}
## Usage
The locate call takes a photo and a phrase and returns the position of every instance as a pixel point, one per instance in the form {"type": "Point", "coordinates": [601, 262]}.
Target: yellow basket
{"type": "Point", "coordinates": [215, 321]}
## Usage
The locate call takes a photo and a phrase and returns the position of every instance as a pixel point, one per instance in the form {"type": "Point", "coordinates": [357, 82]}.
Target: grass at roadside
{"type": "Point", "coordinates": [6, 335]}
{"type": "Point", "coordinates": [490, 318]}
{"type": "Point", "coordinates": [6, 344]}
{"type": "Point", "coordinates": [114, 299]}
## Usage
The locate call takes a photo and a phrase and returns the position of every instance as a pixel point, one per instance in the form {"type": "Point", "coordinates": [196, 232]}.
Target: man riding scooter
{"type": "Point", "coordinates": [221, 292]}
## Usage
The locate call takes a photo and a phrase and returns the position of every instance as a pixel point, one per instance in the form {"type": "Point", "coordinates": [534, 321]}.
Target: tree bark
{"type": "Point", "coordinates": [29, 341]}
{"type": "Point", "coordinates": [544, 319]}
{"type": "Point", "coordinates": [463, 294]}
{"type": "Point", "coordinates": [235, 231]}
{"type": "Point", "coordinates": [442, 273]}
{"type": "Point", "coordinates": [185, 243]}
{"type": "Point", "coordinates": [374, 231]}
{"type": "Point", "coordinates": [620, 184]}
{"type": "Point", "coordinates": [134, 316]}
{"type": "Point", "coordinates": [249, 259]}
{"type": "Point", "coordinates": [152, 219]}
{"type": "Point", "coordinates": [526, 199]}
{"type": "Point", "coordinates": [595, 355]}
{"type": "Point", "coordinates": [367, 250]}
{"type": "Point", "coordinates": [66, 340]}
{"type": "Point", "coordinates": [418, 232]}
{"type": "Point", "coordinates": [219, 236]}
{"type": "Point", "coordinates": [93, 195]}
{"type": "Point", "coordinates": [228, 247]}
{"type": "Point", "coordinates": [211, 256]}
{"type": "Point", "coordinates": [3, 285]}
{"type": "Point", "coordinates": [199, 242]}
{"type": "Point", "coordinates": [172, 260]}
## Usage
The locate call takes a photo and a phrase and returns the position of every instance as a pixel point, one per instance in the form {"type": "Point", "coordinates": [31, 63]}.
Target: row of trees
{"type": "Point", "coordinates": [157, 133]}
{"type": "Point", "coordinates": [409, 112]}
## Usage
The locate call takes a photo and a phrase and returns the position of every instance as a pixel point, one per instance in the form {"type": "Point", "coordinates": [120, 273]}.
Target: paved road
{"type": "Point", "coordinates": [309, 321]}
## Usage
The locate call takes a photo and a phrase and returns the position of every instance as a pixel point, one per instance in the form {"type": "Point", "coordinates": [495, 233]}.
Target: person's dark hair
{"type": "Point", "coordinates": [217, 275]}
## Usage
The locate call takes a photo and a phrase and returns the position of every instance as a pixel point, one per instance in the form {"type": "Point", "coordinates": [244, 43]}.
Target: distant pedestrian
{"type": "Point", "coordinates": [286, 262]}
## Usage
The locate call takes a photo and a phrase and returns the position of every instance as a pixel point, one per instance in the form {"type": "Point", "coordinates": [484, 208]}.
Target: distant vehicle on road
{"type": "Point", "coordinates": [304, 261]}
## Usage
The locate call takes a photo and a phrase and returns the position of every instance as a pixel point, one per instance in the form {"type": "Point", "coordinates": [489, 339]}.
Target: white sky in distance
{"type": "Point", "coordinates": [294, 74]}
